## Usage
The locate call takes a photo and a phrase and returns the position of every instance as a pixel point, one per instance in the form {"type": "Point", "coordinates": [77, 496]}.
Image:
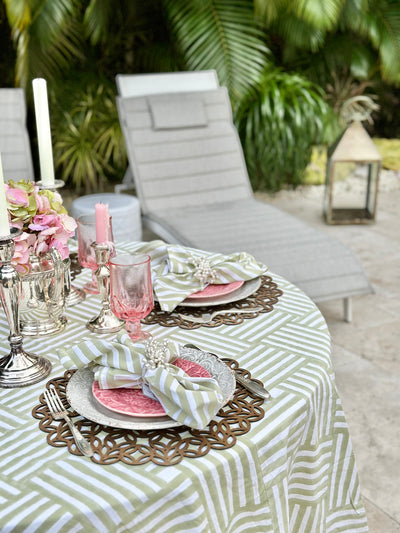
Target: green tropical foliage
{"type": "Point", "coordinates": [220, 35]}
{"type": "Point", "coordinates": [349, 40]}
{"type": "Point", "coordinates": [47, 37]}
{"type": "Point", "coordinates": [297, 117]}
{"type": "Point", "coordinates": [88, 145]}
{"type": "Point", "coordinates": [7, 53]}
{"type": "Point", "coordinates": [283, 61]}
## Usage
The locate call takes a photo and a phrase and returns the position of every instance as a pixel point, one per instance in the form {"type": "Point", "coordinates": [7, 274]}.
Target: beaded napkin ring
{"type": "Point", "coordinates": [157, 354]}
{"type": "Point", "coordinates": [204, 273]}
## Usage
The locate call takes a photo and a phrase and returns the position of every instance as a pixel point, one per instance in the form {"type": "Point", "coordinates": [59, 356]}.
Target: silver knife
{"type": "Point", "coordinates": [251, 386]}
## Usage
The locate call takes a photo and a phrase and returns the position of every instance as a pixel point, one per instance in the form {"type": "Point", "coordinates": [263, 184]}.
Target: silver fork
{"type": "Point", "coordinates": [58, 412]}
{"type": "Point", "coordinates": [207, 317]}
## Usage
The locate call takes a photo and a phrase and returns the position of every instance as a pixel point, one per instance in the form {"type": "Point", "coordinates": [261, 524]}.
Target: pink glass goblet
{"type": "Point", "coordinates": [131, 291]}
{"type": "Point", "coordinates": [86, 232]}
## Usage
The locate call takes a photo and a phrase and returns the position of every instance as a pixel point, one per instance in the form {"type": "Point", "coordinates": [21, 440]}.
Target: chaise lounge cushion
{"type": "Point", "coordinates": [175, 115]}
{"type": "Point", "coordinates": [15, 146]}
{"type": "Point", "coordinates": [319, 265]}
{"type": "Point", "coordinates": [193, 188]}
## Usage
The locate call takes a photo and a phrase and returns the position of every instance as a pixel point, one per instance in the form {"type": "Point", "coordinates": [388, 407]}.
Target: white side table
{"type": "Point", "coordinates": [124, 210]}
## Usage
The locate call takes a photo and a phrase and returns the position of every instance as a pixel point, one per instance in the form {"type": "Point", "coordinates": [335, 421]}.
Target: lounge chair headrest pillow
{"type": "Point", "coordinates": [177, 113]}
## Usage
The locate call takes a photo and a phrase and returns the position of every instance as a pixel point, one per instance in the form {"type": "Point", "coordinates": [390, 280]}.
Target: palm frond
{"type": "Point", "coordinates": [47, 37]}
{"type": "Point", "coordinates": [322, 15]}
{"type": "Point", "coordinates": [220, 35]}
{"type": "Point", "coordinates": [300, 33]}
{"type": "Point", "coordinates": [379, 22]}
{"type": "Point", "coordinates": [97, 19]}
{"type": "Point", "coordinates": [385, 34]}
{"type": "Point", "coordinates": [268, 12]}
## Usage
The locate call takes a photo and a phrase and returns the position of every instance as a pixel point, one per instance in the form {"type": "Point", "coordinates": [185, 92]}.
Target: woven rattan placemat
{"type": "Point", "coordinates": [162, 447]}
{"type": "Point", "coordinates": [265, 297]}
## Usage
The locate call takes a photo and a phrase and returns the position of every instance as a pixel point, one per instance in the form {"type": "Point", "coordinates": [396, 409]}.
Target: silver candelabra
{"type": "Point", "coordinates": [18, 368]}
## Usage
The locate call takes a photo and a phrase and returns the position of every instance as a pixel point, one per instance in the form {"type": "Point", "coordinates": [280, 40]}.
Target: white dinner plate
{"type": "Point", "coordinates": [80, 396]}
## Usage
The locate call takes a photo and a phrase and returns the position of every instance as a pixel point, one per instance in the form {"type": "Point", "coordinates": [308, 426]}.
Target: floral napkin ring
{"type": "Point", "coordinates": [204, 273]}
{"type": "Point", "coordinates": [157, 354]}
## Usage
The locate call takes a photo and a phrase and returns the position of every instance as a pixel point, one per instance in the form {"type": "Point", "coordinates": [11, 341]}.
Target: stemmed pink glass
{"type": "Point", "coordinates": [131, 291]}
{"type": "Point", "coordinates": [86, 231]}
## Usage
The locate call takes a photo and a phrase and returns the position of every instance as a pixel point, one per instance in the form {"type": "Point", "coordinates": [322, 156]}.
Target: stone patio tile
{"type": "Point", "coordinates": [371, 401]}
{"type": "Point", "coordinates": [379, 521]}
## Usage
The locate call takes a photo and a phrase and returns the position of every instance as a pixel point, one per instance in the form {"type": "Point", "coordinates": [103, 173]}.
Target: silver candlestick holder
{"type": "Point", "coordinates": [18, 368]}
{"type": "Point", "coordinates": [73, 294]}
{"type": "Point", "coordinates": [105, 321]}
{"type": "Point", "coordinates": [57, 184]}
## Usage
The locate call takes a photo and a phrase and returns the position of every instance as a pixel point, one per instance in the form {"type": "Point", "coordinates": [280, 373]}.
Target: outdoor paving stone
{"type": "Point", "coordinates": [371, 402]}
{"type": "Point", "coordinates": [379, 521]}
{"type": "Point", "coordinates": [369, 310]}
{"type": "Point", "coordinates": [366, 353]}
{"type": "Point", "coordinates": [384, 274]}
{"type": "Point", "coordinates": [373, 335]}
{"type": "Point", "coordinates": [368, 245]}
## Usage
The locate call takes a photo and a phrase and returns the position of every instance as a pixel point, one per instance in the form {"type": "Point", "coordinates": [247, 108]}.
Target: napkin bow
{"type": "Point", "coordinates": [192, 401]}
{"type": "Point", "coordinates": [179, 271]}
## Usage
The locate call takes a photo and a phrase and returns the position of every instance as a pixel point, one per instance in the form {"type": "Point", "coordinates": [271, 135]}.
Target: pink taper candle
{"type": "Point", "coordinates": [102, 222]}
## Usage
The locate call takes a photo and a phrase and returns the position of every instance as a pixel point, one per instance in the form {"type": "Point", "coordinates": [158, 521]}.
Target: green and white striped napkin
{"type": "Point", "coordinates": [179, 271]}
{"type": "Point", "coordinates": [192, 401]}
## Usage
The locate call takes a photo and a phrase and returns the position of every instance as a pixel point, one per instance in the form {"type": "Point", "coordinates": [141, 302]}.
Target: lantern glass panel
{"type": "Point", "coordinates": [350, 185]}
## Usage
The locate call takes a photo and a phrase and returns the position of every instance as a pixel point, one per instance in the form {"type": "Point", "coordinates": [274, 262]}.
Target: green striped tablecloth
{"type": "Point", "coordinates": [293, 472]}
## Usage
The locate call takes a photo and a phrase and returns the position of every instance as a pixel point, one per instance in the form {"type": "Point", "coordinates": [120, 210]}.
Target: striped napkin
{"type": "Point", "coordinates": [192, 401]}
{"type": "Point", "coordinates": [179, 271]}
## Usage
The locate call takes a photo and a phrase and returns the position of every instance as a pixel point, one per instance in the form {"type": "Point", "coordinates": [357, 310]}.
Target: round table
{"type": "Point", "coordinates": [293, 471]}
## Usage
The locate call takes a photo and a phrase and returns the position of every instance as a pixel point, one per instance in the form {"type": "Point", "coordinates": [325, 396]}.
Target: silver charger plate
{"type": "Point", "coordinates": [80, 396]}
{"type": "Point", "coordinates": [247, 289]}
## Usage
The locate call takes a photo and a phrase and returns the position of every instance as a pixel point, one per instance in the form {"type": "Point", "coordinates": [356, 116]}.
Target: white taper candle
{"type": "Point", "coordinates": [43, 131]}
{"type": "Point", "coordinates": [4, 226]}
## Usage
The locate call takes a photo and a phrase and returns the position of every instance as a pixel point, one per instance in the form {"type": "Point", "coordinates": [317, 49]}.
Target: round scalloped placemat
{"type": "Point", "coordinates": [162, 447]}
{"type": "Point", "coordinates": [265, 297]}
{"type": "Point", "coordinates": [75, 267]}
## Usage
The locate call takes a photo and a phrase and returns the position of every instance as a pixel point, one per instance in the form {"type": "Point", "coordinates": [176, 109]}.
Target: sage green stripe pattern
{"type": "Point", "coordinates": [192, 401]}
{"type": "Point", "coordinates": [293, 471]}
{"type": "Point", "coordinates": [177, 271]}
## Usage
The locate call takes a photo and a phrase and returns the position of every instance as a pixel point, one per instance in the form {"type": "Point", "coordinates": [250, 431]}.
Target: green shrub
{"type": "Point", "coordinates": [89, 149]}
{"type": "Point", "coordinates": [279, 121]}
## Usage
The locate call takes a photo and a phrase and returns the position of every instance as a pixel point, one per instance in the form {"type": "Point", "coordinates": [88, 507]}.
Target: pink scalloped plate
{"type": "Point", "coordinates": [217, 290]}
{"type": "Point", "coordinates": [133, 402]}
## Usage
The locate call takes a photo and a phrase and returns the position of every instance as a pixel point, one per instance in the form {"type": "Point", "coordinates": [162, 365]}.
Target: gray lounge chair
{"type": "Point", "coordinates": [15, 147]}
{"type": "Point", "coordinates": [174, 82]}
{"type": "Point", "coordinates": [191, 179]}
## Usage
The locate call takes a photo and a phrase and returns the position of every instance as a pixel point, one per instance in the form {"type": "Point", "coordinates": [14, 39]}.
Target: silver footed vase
{"type": "Point", "coordinates": [19, 368]}
{"type": "Point", "coordinates": [43, 295]}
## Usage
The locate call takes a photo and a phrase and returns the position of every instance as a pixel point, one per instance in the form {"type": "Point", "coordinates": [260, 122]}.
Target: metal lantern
{"type": "Point", "coordinates": [352, 155]}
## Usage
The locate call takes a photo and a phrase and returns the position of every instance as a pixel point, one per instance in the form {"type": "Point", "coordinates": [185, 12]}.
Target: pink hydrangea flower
{"type": "Point", "coordinates": [17, 196]}
{"type": "Point", "coordinates": [42, 222]}
{"type": "Point", "coordinates": [43, 203]}
{"type": "Point", "coordinates": [24, 244]}
{"type": "Point", "coordinates": [43, 219]}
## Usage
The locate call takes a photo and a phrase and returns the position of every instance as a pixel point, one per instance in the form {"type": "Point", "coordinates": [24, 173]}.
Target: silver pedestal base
{"type": "Point", "coordinates": [105, 322]}
{"type": "Point", "coordinates": [33, 328]}
{"type": "Point", "coordinates": [22, 369]}
{"type": "Point", "coordinates": [76, 296]}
